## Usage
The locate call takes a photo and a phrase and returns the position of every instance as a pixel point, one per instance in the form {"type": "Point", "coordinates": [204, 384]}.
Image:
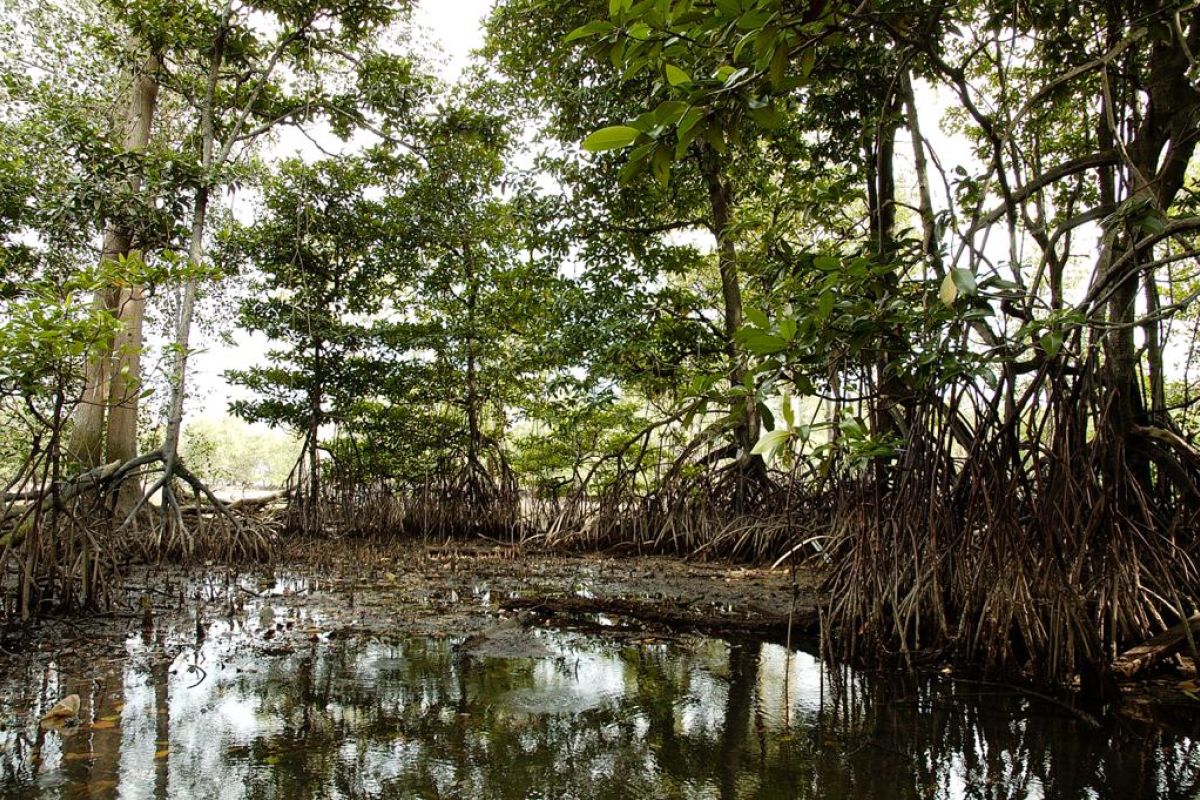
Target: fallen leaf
{"type": "Point", "coordinates": [103, 724]}
{"type": "Point", "coordinates": [161, 754]}
{"type": "Point", "coordinates": [65, 709]}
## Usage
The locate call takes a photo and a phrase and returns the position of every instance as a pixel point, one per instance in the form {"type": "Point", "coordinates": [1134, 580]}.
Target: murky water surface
{"type": "Point", "coordinates": [544, 713]}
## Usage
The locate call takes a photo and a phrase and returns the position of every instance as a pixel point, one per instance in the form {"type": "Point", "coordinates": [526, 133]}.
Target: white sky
{"type": "Point", "coordinates": [456, 25]}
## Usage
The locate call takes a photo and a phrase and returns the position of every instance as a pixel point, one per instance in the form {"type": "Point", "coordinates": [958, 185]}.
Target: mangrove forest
{"type": "Point", "coordinates": [620, 398]}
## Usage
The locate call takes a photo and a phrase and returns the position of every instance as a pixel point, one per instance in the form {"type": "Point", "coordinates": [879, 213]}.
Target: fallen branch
{"type": "Point", "coordinates": [1150, 652]}
{"type": "Point", "coordinates": [245, 504]}
{"type": "Point", "coordinates": [805, 622]}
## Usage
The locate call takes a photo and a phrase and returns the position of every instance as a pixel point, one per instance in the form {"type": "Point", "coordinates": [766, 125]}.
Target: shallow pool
{"type": "Point", "coordinates": [560, 715]}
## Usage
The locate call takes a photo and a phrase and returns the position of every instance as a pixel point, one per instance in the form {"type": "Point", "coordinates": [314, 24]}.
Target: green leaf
{"type": "Point", "coordinates": [807, 61]}
{"type": "Point", "coordinates": [1152, 222]}
{"type": "Point", "coordinates": [660, 166]}
{"type": "Point", "coordinates": [670, 112]}
{"type": "Point", "coordinates": [613, 137]}
{"type": "Point", "coordinates": [733, 76]}
{"type": "Point", "coordinates": [825, 306]}
{"type": "Point", "coordinates": [757, 318]}
{"type": "Point", "coordinates": [689, 120]}
{"type": "Point", "coordinates": [767, 117]}
{"type": "Point", "coordinates": [1052, 343]}
{"type": "Point", "coordinates": [676, 76]}
{"type": "Point", "coordinates": [761, 344]}
{"type": "Point", "coordinates": [768, 419]}
{"type": "Point", "coordinates": [645, 122]}
{"type": "Point", "coordinates": [591, 29]}
{"type": "Point", "coordinates": [640, 31]}
{"type": "Point", "coordinates": [852, 428]}
{"type": "Point", "coordinates": [741, 45]}
{"type": "Point", "coordinates": [779, 63]}
{"type": "Point", "coordinates": [753, 19]}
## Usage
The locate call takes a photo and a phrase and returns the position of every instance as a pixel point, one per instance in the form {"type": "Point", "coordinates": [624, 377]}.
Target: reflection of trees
{"type": "Point", "coordinates": [412, 720]}
{"type": "Point", "coordinates": [743, 678]}
{"type": "Point", "coordinates": [924, 738]}
{"type": "Point", "coordinates": [160, 677]}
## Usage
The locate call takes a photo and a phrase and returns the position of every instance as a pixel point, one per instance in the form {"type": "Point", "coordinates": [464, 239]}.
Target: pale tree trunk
{"type": "Point", "coordinates": [170, 448]}
{"type": "Point", "coordinates": [120, 357]}
{"type": "Point", "coordinates": [183, 338]}
{"type": "Point", "coordinates": [929, 238]}
{"type": "Point", "coordinates": [211, 159]}
{"type": "Point", "coordinates": [125, 389]}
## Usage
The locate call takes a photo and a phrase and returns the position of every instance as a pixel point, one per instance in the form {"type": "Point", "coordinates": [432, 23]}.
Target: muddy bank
{"type": "Point", "coordinates": [461, 587]}
{"type": "Point", "coordinates": [323, 591]}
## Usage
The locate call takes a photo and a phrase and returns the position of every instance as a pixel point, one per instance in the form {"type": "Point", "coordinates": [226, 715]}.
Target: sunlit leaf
{"type": "Point", "coordinates": [591, 29]}
{"type": "Point", "coordinates": [770, 443]}
{"type": "Point", "coordinates": [614, 137]}
{"type": "Point", "coordinates": [676, 76]}
{"type": "Point", "coordinates": [949, 291]}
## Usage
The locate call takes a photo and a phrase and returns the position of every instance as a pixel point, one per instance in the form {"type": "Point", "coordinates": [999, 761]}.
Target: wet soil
{"type": "Point", "coordinates": [324, 591]}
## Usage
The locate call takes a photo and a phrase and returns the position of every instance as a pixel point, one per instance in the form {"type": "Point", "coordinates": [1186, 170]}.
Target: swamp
{"type": "Point", "coordinates": [613, 399]}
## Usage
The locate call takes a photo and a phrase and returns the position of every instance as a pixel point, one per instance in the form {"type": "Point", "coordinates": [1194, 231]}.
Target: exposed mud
{"type": "Point", "coordinates": [326, 591]}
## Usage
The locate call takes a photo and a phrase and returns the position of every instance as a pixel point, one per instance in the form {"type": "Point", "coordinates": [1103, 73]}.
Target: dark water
{"type": "Point", "coordinates": [589, 719]}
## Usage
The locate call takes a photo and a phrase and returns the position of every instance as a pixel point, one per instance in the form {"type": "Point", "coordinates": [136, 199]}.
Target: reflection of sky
{"type": "Point", "coordinates": [139, 738]}
{"type": "Point", "coordinates": [572, 683]}
{"type": "Point", "coordinates": [801, 691]}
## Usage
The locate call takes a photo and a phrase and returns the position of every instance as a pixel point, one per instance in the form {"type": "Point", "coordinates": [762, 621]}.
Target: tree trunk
{"type": "Point", "coordinates": [745, 410]}
{"type": "Point", "coordinates": [183, 334]}
{"type": "Point", "coordinates": [120, 357]}
{"type": "Point", "coordinates": [125, 388]}
{"type": "Point", "coordinates": [312, 515]}
{"type": "Point", "coordinates": [893, 392]}
{"type": "Point", "coordinates": [475, 469]}
{"type": "Point", "coordinates": [929, 239]}
{"type": "Point", "coordinates": [1159, 156]}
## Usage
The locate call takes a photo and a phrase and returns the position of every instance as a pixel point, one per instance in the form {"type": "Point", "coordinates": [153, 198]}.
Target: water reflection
{"type": "Point", "coordinates": [593, 719]}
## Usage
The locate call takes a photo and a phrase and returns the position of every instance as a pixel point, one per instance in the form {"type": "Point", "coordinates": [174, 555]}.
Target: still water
{"type": "Point", "coordinates": [586, 718]}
